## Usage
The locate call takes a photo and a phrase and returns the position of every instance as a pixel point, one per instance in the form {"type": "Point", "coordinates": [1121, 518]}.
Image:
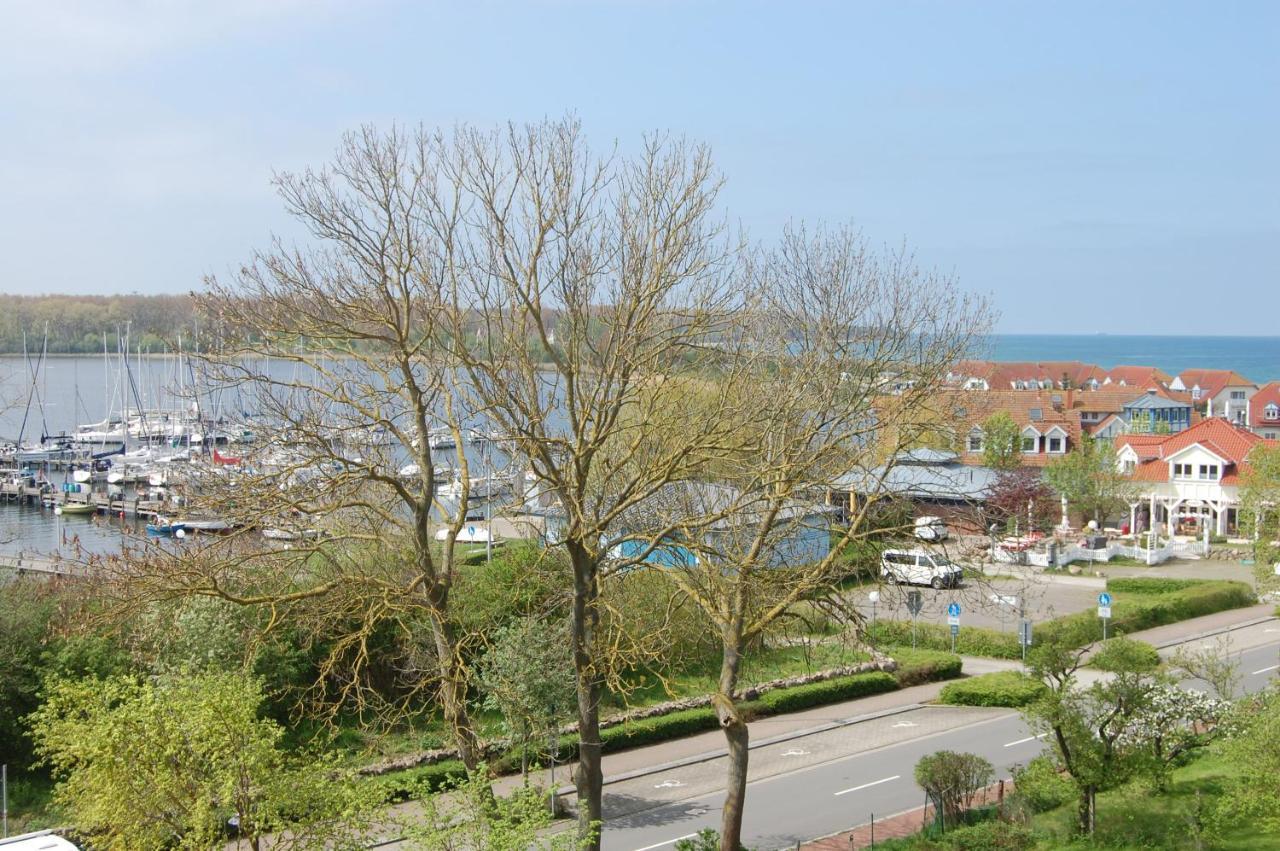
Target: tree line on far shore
{"type": "Point", "coordinates": [76, 323]}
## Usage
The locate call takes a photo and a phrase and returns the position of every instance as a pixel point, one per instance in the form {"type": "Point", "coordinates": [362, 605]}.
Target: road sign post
{"type": "Point", "coordinates": [953, 620]}
{"type": "Point", "coordinates": [1024, 637]}
{"type": "Point", "coordinates": [1104, 611]}
{"type": "Point", "coordinates": [915, 602]}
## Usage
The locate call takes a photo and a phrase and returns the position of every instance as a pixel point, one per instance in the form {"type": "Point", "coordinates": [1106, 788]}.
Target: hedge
{"type": "Point", "coordinates": [403, 785]}
{"type": "Point", "coordinates": [923, 666]}
{"type": "Point", "coordinates": [658, 728]}
{"type": "Point", "coordinates": [1141, 610]}
{"type": "Point", "coordinates": [1002, 688]}
{"type": "Point", "coordinates": [796, 698]}
{"type": "Point", "coordinates": [1152, 584]}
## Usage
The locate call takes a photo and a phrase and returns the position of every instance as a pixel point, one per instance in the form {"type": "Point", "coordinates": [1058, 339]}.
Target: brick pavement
{"type": "Point", "coordinates": [900, 825]}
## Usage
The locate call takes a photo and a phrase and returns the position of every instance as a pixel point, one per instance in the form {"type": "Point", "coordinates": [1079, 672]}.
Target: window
{"type": "Point", "coordinates": [1208, 472]}
{"type": "Point", "coordinates": [1273, 411]}
{"type": "Point", "coordinates": [1055, 444]}
{"type": "Point", "coordinates": [975, 441]}
{"type": "Point", "coordinates": [1237, 395]}
{"type": "Point", "coordinates": [1195, 392]}
{"type": "Point", "coordinates": [1128, 465]}
{"type": "Point", "coordinates": [1182, 471]}
{"type": "Point", "coordinates": [1028, 444]}
{"type": "Point", "coordinates": [1036, 414]}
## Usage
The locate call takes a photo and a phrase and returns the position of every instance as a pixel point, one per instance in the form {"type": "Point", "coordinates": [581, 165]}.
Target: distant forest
{"type": "Point", "coordinates": [77, 323]}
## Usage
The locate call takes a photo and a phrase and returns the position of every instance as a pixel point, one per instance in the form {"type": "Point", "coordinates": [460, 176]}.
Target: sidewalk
{"type": "Point", "coordinates": [899, 825]}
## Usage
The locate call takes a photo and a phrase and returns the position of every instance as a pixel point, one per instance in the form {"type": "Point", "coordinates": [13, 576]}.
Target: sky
{"type": "Point", "coordinates": [1093, 166]}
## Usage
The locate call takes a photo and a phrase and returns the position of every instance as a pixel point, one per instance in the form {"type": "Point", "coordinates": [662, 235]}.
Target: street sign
{"type": "Point", "coordinates": [874, 596]}
{"type": "Point", "coordinates": [1104, 605]}
{"type": "Point", "coordinates": [1024, 633]}
{"type": "Point", "coordinates": [1104, 612]}
{"type": "Point", "coordinates": [955, 630]}
{"type": "Point", "coordinates": [953, 610]}
{"type": "Point", "coordinates": [1005, 599]}
{"type": "Point", "coordinates": [1104, 599]}
{"type": "Point", "coordinates": [915, 602]}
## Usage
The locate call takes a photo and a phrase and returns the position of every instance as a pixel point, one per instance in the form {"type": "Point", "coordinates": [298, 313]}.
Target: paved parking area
{"type": "Point", "coordinates": [991, 602]}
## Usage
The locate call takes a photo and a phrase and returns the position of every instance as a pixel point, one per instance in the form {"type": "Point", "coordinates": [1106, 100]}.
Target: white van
{"type": "Point", "coordinates": [931, 529]}
{"type": "Point", "coordinates": [917, 567]}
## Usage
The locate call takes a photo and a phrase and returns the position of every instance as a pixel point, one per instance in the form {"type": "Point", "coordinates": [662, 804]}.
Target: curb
{"type": "Point", "coordinates": [1219, 631]}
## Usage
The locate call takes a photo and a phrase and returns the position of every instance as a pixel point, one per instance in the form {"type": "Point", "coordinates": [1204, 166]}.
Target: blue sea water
{"type": "Point", "coordinates": [1256, 358]}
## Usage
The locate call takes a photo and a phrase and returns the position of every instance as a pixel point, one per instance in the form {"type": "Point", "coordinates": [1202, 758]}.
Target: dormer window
{"type": "Point", "coordinates": [975, 440]}
{"type": "Point", "coordinates": [1028, 444]}
{"type": "Point", "coordinates": [1272, 411]}
{"type": "Point", "coordinates": [1208, 472]}
{"type": "Point", "coordinates": [1195, 392]}
{"type": "Point", "coordinates": [1237, 395]}
{"type": "Point", "coordinates": [1055, 445]}
{"type": "Point", "coordinates": [1183, 471]}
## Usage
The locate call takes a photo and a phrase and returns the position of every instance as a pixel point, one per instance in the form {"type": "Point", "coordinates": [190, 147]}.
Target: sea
{"type": "Point", "coordinates": [1256, 358]}
{"type": "Point", "coordinates": [76, 390]}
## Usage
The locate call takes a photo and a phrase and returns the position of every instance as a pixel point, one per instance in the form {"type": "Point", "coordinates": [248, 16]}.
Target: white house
{"type": "Point", "coordinates": [1220, 392]}
{"type": "Point", "coordinates": [1190, 479]}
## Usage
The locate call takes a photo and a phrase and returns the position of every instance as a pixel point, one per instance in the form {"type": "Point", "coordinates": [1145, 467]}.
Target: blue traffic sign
{"type": "Point", "coordinates": [1104, 599]}
{"type": "Point", "coordinates": [954, 610]}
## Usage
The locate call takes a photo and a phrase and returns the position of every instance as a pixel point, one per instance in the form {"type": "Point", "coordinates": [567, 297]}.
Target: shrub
{"type": "Point", "coordinates": [1003, 688]}
{"type": "Point", "coordinates": [991, 835]}
{"type": "Point", "coordinates": [827, 691]}
{"type": "Point", "coordinates": [951, 780]}
{"type": "Point", "coordinates": [1040, 786]}
{"type": "Point", "coordinates": [658, 729]}
{"type": "Point", "coordinates": [1126, 655]}
{"type": "Point", "coordinates": [972, 641]}
{"type": "Point", "coordinates": [1151, 585]}
{"type": "Point", "coordinates": [403, 785]}
{"type": "Point", "coordinates": [923, 666]}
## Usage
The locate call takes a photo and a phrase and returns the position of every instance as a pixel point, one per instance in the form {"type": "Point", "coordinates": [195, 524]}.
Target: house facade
{"type": "Point", "coordinates": [1218, 392]}
{"type": "Point", "coordinates": [1190, 480]}
{"type": "Point", "coordinates": [1264, 411]}
{"type": "Point", "coordinates": [1152, 413]}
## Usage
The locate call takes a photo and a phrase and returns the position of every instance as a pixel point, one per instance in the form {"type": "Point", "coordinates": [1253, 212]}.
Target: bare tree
{"type": "Point", "coordinates": [849, 349]}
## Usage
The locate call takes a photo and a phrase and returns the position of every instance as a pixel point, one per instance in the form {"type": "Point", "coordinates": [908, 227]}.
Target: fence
{"type": "Point", "coordinates": [1065, 555]}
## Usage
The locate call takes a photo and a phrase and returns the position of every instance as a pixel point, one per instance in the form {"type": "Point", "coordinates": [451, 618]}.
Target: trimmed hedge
{"type": "Point", "coordinates": [1152, 584]}
{"type": "Point", "coordinates": [658, 728]}
{"type": "Point", "coordinates": [809, 695]}
{"type": "Point", "coordinates": [972, 641]}
{"type": "Point", "coordinates": [403, 785]}
{"type": "Point", "coordinates": [923, 666]}
{"type": "Point", "coordinates": [1002, 688]}
{"type": "Point", "coordinates": [1139, 610]}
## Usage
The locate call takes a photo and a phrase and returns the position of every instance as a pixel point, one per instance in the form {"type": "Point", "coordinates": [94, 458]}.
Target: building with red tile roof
{"type": "Point", "coordinates": [1219, 392]}
{"type": "Point", "coordinates": [1053, 375]}
{"type": "Point", "coordinates": [1264, 411]}
{"type": "Point", "coordinates": [1190, 479]}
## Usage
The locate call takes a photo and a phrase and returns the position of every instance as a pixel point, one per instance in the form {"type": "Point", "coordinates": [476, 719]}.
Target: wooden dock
{"type": "Point", "coordinates": [23, 564]}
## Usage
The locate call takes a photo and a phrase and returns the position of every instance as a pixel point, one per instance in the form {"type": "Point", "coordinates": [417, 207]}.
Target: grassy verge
{"type": "Point", "coordinates": [1130, 817]}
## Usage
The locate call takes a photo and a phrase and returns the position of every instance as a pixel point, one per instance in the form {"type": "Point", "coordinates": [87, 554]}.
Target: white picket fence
{"type": "Point", "coordinates": [1066, 554]}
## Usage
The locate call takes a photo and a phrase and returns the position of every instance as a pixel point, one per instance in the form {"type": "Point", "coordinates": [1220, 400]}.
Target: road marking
{"type": "Point", "coordinates": [1264, 670]}
{"type": "Point", "coordinates": [668, 842]}
{"type": "Point", "coordinates": [796, 752]}
{"type": "Point", "coordinates": [906, 724]}
{"type": "Point", "coordinates": [867, 785]}
{"type": "Point", "coordinates": [1027, 739]}
{"type": "Point", "coordinates": [669, 784]}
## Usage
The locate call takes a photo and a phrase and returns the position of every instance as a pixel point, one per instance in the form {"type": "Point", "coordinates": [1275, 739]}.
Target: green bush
{"type": "Point", "coordinates": [828, 691]}
{"type": "Point", "coordinates": [404, 785]}
{"type": "Point", "coordinates": [1040, 785]}
{"type": "Point", "coordinates": [659, 728]}
{"type": "Point", "coordinates": [972, 641]}
{"type": "Point", "coordinates": [991, 835]}
{"type": "Point", "coordinates": [1003, 688]}
{"type": "Point", "coordinates": [1151, 584]}
{"type": "Point", "coordinates": [923, 666]}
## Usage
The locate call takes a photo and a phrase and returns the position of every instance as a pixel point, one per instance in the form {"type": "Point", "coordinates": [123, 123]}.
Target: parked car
{"type": "Point", "coordinates": [931, 529]}
{"type": "Point", "coordinates": [918, 567]}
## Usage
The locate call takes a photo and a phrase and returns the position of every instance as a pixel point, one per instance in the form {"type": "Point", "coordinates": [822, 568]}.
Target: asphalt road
{"type": "Point", "coordinates": [841, 778]}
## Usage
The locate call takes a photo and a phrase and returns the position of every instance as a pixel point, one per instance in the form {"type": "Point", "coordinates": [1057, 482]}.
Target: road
{"type": "Point", "coordinates": [819, 784]}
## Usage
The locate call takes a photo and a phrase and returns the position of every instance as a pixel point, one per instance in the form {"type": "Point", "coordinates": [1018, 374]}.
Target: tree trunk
{"type": "Point", "coordinates": [1088, 804]}
{"type": "Point", "coordinates": [588, 776]}
{"type": "Point", "coordinates": [453, 693]}
{"type": "Point", "coordinates": [737, 739]}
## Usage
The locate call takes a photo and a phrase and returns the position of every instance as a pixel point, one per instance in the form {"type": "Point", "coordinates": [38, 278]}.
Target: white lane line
{"type": "Point", "coordinates": [867, 785]}
{"type": "Point", "coordinates": [1264, 670]}
{"type": "Point", "coordinates": [1027, 739]}
{"type": "Point", "coordinates": [668, 842]}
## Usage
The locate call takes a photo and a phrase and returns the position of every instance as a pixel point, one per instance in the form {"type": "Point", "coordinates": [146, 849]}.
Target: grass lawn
{"type": "Point", "coordinates": [1138, 817]}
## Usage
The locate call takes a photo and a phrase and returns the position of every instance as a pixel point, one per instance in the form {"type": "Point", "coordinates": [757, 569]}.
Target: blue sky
{"type": "Point", "coordinates": [1094, 166]}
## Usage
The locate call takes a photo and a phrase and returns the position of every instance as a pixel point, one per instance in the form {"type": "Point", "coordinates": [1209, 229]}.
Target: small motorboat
{"type": "Point", "coordinates": [74, 508]}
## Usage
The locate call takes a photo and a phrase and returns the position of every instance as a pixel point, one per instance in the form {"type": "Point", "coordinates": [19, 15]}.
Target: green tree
{"type": "Point", "coordinates": [469, 817]}
{"type": "Point", "coordinates": [1091, 480]}
{"type": "Point", "coordinates": [1253, 795]}
{"type": "Point", "coordinates": [527, 675]}
{"type": "Point", "coordinates": [1001, 442]}
{"type": "Point", "coordinates": [166, 763]}
{"type": "Point", "coordinates": [1260, 510]}
{"type": "Point", "coordinates": [1094, 730]}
